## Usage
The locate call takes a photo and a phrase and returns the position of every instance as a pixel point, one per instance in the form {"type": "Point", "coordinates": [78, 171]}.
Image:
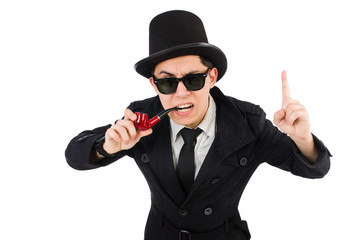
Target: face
{"type": "Point", "coordinates": [195, 103]}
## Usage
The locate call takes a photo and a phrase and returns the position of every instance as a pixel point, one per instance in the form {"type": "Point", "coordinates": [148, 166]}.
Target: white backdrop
{"type": "Point", "coordinates": [67, 66]}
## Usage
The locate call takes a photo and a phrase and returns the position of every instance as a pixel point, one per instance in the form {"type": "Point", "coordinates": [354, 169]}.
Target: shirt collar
{"type": "Point", "coordinates": [207, 125]}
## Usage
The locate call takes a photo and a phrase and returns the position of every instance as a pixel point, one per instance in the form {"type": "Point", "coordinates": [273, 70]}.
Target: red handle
{"type": "Point", "coordinates": [142, 122]}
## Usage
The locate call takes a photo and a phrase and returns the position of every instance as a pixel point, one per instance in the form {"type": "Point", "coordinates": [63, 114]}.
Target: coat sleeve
{"type": "Point", "coordinates": [79, 150]}
{"type": "Point", "coordinates": [280, 151]}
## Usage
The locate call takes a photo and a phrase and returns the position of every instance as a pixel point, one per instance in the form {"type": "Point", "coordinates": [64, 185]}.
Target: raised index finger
{"type": "Point", "coordinates": [285, 86]}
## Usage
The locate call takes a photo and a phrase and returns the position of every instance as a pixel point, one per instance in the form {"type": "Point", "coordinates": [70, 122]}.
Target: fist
{"type": "Point", "coordinates": [123, 135]}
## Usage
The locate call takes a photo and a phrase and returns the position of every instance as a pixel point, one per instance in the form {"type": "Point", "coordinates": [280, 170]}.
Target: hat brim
{"type": "Point", "coordinates": [206, 50]}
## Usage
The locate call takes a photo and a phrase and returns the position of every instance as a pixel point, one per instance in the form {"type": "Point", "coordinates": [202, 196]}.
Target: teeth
{"type": "Point", "coordinates": [184, 108]}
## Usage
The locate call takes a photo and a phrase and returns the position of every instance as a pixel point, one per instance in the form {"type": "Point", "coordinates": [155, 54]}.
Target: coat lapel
{"type": "Point", "coordinates": [232, 133]}
{"type": "Point", "coordinates": [161, 160]}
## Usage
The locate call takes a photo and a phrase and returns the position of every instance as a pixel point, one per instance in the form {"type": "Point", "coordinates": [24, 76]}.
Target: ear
{"type": "Point", "coordinates": [213, 77]}
{"type": "Point", "coordinates": [153, 85]}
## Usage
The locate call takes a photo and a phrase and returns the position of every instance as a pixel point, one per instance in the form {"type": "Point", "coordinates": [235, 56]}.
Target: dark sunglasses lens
{"type": "Point", "coordinates": [195, 82]}
{"type": "Point", "coordinates": [167, 86]}
{"type": "Point", "coordinates": [192, 83]}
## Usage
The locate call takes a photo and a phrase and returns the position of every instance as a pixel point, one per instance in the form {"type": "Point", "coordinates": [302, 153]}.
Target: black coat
{"type": "Point", "coordinates": [244, 139]}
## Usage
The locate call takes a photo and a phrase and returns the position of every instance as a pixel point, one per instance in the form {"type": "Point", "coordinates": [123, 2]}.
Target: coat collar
{"type": "Point", "coordinates": [159, 150]}
{"type": "Point", "coordinates": [233, 131]}
{"type": "Point", "coordinates": [232, 134]}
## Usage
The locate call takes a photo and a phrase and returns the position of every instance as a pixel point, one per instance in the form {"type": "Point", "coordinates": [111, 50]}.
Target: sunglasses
{"type": "Point", "coordinates": [192, 82]}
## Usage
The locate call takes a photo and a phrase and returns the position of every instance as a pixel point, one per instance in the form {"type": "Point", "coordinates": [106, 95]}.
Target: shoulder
{"type": "Point", "coordinates": [246, 108]}
{"type": "Point", "coordinates": [252, 114]}
{"type": "Point", "coordinates": [148, 105]}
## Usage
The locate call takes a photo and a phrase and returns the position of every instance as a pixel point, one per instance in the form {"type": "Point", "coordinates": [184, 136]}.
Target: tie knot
{"type": "Point", "coordinates": [190, 135]}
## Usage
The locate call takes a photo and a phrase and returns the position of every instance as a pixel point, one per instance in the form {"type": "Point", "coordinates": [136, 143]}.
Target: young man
{"type": "Point", "coordinates": [198, 161]}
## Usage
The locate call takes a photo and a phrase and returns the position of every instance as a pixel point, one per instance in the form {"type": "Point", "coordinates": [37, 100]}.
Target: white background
{"type": "Point", "coordinates": [67, 66]}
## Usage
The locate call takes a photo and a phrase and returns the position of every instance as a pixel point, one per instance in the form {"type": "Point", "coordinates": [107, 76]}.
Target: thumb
{"type": "Point", "coordinates": [279, 117]}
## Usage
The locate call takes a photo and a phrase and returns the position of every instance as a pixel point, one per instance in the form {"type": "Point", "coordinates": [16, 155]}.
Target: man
{"type": "Point", "coordinates": [196, 177]}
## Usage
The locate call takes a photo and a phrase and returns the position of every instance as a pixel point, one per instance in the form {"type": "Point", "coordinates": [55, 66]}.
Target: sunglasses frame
{"type": "Point", "coordinates": [183, 79]}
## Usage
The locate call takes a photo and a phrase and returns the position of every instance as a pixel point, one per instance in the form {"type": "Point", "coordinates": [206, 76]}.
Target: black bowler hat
{"type": "Point", "coordinates": [179, 33]}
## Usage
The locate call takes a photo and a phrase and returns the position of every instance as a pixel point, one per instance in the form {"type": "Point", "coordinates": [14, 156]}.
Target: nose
{"type": "Point", "coordinates": [181, 90]}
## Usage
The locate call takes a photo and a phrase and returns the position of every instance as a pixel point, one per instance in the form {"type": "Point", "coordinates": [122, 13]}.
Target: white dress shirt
{"type": "Point", "coordinates": [203, 141]}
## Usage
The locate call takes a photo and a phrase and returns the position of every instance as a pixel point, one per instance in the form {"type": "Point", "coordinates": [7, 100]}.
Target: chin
{"type": "Point", "coordinates": [182, 120]}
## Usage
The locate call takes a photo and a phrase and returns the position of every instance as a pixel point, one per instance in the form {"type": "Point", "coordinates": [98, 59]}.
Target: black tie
{"type": "Point", "coordinates": [186, 166]}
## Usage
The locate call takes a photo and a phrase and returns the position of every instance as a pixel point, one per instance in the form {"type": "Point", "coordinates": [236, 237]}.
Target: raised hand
{"type": "Point", "coordinates": [293, 120]}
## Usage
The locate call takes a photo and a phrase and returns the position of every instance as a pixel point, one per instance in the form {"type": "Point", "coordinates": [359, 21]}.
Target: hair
{"type": "Point", "coordinates": [206, 62]}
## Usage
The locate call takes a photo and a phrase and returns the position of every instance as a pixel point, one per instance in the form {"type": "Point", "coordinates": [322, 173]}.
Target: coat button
{"type": "Point", "coordinates": [208, 211]}
{"type": "Point", "coordinates": [144, 158]}
{"type": "Point", "coordinates": [243, 161]}
{"type": "Point", "coordinates": [184, 213]}
{"type": "Point", "coordinates": [215, 180]}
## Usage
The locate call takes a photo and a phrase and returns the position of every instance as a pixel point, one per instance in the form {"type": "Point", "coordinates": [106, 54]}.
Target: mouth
{"type": "Point", "coordinates": [185, 108]}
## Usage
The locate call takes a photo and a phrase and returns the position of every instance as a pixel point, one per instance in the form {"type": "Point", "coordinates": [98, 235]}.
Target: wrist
{"type": "Point", "coordinates": [307, 148]}
{"type": "Point", "coordinates": [101, 151]}
{"type": "Point", "coordinates": [306, 140]}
